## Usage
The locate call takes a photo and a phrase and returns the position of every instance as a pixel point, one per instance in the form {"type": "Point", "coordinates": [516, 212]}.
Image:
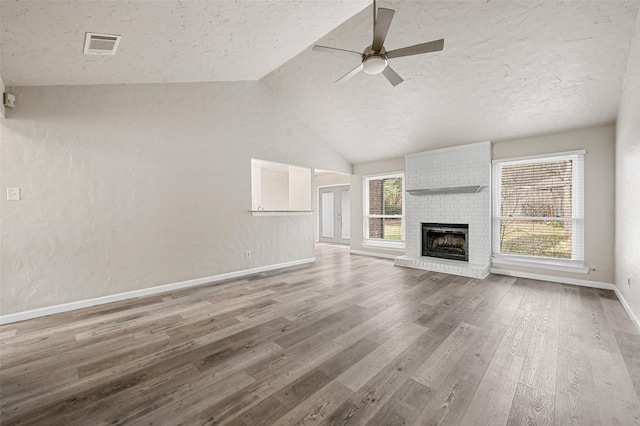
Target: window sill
{"type": "Point", "coordinates": [397, 245]}
{"type": "Point", "coordinates": [549, 264]}
{"type": "Point", "coordinates": [281, 212]}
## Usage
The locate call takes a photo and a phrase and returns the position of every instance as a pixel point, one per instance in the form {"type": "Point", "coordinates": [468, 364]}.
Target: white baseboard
{"type": "Point", "coordinates": [574, 281]}
{"type": "Point", "coordinates": [65, 307]}
{"type": "Point", "coordinates": [552, 278]}
{"type": "Point", "coordinates": [627, 308]}
{"type": "Point", "coordinates": [374, 254]}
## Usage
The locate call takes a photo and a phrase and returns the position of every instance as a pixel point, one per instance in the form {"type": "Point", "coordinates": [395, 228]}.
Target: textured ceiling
{"type": "Point", "coordinates": [509, 69]}
{"type": "Point", "coordinates": [163, 41]}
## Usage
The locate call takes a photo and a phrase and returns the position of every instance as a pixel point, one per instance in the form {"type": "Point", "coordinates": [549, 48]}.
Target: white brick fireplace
{"type": "Point", "coordinates": [449, 186]}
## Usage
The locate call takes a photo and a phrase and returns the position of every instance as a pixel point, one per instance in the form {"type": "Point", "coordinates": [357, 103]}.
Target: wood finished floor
{"type": "Point", "coordinates": [347, 340]}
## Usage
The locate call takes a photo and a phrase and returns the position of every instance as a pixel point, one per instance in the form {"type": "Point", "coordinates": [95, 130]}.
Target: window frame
{"type": "Point", "coordinates": [576, 263]}
{"type": "Point", "coordinates": [378, 242]}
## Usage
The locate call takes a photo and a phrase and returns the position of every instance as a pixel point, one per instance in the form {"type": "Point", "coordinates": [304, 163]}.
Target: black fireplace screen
{"type": "Point", "coordinates": [445, 240]}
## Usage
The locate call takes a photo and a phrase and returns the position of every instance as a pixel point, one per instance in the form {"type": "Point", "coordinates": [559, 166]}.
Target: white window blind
{"type": "Point", "coordinates": [539, 207]}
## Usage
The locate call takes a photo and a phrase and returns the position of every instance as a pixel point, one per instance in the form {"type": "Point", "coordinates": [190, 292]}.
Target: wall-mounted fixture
{"type": "Point", "coordinates": [9, 100]}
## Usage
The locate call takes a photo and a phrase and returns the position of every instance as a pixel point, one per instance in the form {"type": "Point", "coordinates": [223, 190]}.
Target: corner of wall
{"type": "Point", "coordinates": [347, 167]}
{"type": "Point", "coordinates": [627, 171]}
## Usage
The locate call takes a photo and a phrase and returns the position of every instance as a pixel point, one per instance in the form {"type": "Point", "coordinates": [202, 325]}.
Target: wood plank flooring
{"type": "Point", "coordinates": [348, 340]}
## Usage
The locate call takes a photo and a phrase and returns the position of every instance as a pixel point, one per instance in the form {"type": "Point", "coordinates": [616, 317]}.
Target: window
{"type": "Point", "coordinates": [538, 209]}
{"type": "Point", "coordinates": [384, 210]}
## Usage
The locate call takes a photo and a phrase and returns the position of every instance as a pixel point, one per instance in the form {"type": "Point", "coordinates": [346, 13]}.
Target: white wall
{"type": "Point", "coordinates": [129, 187]}
{"type": "Point", "coordinates": [275, 190]}
{"type": "Point", "coordinates": [627, 243]}
{"type": "Point", "coordinates": [598, 192]}
{"type": "Point", "coordinates": [2, 111]}
{"type": "Point", "coordinates": [357, 202]}
{"type": "Point", "coordinates": [299, 188]}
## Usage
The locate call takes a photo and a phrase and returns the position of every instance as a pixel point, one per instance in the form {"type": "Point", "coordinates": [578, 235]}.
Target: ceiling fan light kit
{"type": "Point", "coordinates": [374, 64]}
{"type": "Point", "coordinates": [374, 58]}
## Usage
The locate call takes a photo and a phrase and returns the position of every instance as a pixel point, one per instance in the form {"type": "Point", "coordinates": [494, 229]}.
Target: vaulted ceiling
{"type": "Point", "coordinates": [162, 41]}
{"type": "Point", "coordinates": [509, 69]}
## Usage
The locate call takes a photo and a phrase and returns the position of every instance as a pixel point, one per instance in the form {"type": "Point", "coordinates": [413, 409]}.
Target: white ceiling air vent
{"type": "Point", "coordinates": [101, 44]}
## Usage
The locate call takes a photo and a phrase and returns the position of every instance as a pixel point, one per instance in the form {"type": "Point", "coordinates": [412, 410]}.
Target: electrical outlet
{"type": "Point", "coordinates": [629, 281]}
{"type": "Point", "coordinates": [247, 254]}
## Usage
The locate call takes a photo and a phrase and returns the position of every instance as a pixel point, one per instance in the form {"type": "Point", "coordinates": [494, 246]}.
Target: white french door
{"type": "Point", "coordinates": [335, 214]}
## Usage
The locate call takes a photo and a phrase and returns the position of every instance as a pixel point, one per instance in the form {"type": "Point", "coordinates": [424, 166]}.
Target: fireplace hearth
{"type": "Point", "coordinates": [445, 240]}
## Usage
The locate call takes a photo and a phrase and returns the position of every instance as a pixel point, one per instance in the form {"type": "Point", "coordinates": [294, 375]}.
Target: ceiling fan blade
{"type": "Point", "coordinates": [381, 27]}
{"type": "Point", "coordinates": [431, 46]}
{"type": "Point", "coordinates": [392, 76]}
{"type": "Point", "coordinates": [348, 75]}
{"type": "Point", "coordinates": [319, 48]}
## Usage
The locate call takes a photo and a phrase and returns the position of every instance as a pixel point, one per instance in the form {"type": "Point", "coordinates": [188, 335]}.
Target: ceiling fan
{"type": "Point", "coordinates": [374, 57]}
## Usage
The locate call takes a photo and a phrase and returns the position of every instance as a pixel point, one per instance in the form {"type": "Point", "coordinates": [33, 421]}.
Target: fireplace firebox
{"type": "Point", "coordinates": [445, 240]}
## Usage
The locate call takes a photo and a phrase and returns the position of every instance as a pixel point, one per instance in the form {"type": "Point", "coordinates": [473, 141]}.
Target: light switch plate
{"type": "Point", "coordinates": [13, 194]}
